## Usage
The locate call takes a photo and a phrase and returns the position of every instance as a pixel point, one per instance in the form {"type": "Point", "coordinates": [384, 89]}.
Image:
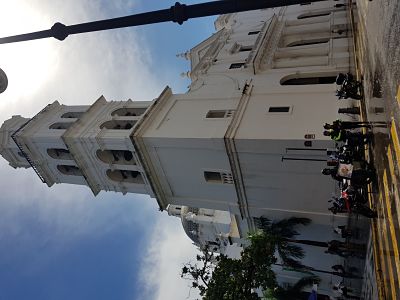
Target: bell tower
{"type": "Point", "coordinates": [8, 148]}
{"type": "Point", "coordinates": [86, 145]}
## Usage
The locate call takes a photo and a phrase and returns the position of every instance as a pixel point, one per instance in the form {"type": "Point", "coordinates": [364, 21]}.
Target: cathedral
{"type": "Point", "coordinates": [244, 142]}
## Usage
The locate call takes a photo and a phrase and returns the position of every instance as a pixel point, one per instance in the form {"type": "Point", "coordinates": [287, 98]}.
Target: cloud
{"type": "Point", "coordinates": [39, 224]}
{"type": "Point", "coordinates": [75, 72]}
{"type": "Point", "coordinates": [169, 249]}
{"type": "Point", "coordinates": [118, 64]}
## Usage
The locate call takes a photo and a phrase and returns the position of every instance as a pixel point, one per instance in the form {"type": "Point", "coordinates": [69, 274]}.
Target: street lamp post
{"type": "Point", "coordinates": [177, 13]}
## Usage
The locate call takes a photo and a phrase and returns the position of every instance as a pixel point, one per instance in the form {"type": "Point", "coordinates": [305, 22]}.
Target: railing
{"type": "Point", "coordinates": [264, 36]}
{"type": "Point", "coordinates": [24, 154]}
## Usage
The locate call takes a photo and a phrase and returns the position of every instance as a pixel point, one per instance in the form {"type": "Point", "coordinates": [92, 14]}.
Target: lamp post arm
{"type": "Point", "coordinates": [177, 13]}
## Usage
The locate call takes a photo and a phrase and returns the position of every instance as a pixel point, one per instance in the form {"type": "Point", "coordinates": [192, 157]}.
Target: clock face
{"type": "Point", "coordinates": [3, 81]}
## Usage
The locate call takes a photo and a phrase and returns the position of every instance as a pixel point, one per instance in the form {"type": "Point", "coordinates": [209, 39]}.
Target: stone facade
{"type": "Point", "coordinates": [246, 139]}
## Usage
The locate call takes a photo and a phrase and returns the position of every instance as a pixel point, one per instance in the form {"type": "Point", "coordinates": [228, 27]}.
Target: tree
{"type": "Point", "coordinates": [221, 278]}
{"type": "Point", "coordinates": [200, 272]}
{"type": "Point", "coordinates": [294, 292]}
{"type": "Point", "coordinates": [234, 278]}
{"type": "Point", "coordinates": [282, 233]}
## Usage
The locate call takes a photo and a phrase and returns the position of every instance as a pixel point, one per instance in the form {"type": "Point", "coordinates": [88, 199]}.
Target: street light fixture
{"type": "Point", "coordinates": [3, 81]}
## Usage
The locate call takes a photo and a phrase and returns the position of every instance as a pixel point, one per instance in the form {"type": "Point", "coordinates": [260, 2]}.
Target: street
{"type": "Point", "coordinates": [378, 53]}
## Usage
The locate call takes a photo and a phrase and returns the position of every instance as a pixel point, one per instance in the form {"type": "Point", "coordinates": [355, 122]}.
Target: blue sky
{"type": "Point", "coordinates": [62, 242]}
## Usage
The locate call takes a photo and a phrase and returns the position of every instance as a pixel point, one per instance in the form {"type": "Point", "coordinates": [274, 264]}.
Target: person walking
{"type": "Point", "coordinates": [342, 231]}
{"type": "Point", "coordinates": [339, 269]}
{"type": "Point", "coordinates": [340, 290]}
{"type": "Point", "coordinates": [339, 125]}
{"type": "Point", "coordinates": [358, 177]}
{"type": "Point", "coordinates": [352, 138]}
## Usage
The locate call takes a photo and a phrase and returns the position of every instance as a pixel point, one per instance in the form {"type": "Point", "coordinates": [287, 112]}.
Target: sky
{"type": "Point", "coordinates": [62, 242]}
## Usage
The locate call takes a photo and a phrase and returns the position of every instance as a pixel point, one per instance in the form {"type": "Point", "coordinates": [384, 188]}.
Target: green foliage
{"type": "Point", "coordinates": [294, 292]}
{"type": "Point", "coordinates": [283, 233]}
{"type": "Point", "coordinates": [221, 278]}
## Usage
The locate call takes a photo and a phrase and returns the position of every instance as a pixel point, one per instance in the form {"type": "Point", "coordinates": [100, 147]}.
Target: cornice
{"type": "Point", "coordinates": [142, 151]}
{"type": "Point", "coordinates": [232, 153]}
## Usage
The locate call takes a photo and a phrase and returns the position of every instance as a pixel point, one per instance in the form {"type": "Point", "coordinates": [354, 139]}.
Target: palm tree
{"type": "Point", "coordinates": [307, 269]}
{"type": "Point", "coordinates": [295, 292]}
{"type": "Point", "coordinates": [282, 233]}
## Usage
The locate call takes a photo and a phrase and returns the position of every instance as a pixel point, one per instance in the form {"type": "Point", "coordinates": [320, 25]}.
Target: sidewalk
{"type": "Point", "coordinates": [380, 89]}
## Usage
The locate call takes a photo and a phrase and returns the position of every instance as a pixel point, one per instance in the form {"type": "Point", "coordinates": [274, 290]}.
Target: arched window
{"type": "Point", "coordinates": [61, 125]}
{"type": "Point", "coordinates": [308, 42]}
{"type": "Point", "coordinates": [129, 111]}
{"type": "Point", "coordinates": [125, 176]}
{"type": "Point", "coordinates": [118, 124]}
{"type": "Point", "coordinates": [58, 153]}
{"type": "Point", "coordinates": [307, 79]}
{"type": "Point", "coordinates": [73, 114]}
{"type": "Point", "coordinates": [69, 170]}
{"type": "Point", "coordinates": [119, 157]}
{"type": "Point", "coordinates": [313, 15]}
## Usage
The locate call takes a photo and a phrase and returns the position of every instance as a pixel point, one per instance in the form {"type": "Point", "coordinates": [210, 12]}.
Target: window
{"type": "Point", "coordinates": [73, 114]}
{"type": "Point", "coordinates": [245, 48]}
{"type": "Point", "coordinates": [218, 177]}
{"type": "Point", "coordinates": [58, 153]}
{"type": "Point", "coordinates": [279, 109]}
{"type": "Point", "coordinates": [313, 15]}
{"type": "Point", "coordinates": [125, 176]}
{"type": "Point", "coordinates": [118, 124]}
{"type": "Point", "coordinates": [308, 42]}
{"type": "Point", "coordinates": [213, 176]}
{"type": "Point", "coordinates": [60, 125]}
{"type": "Point", "coordinates": [218, 114]}
{"type": "Point", "coordinates": [69, 170]}
{"type": "Point", "coordinates": [119, 157]}
{"type": "Point", "coordinates": [236, 65]}
{"type": "Point", "coordinates": [129, 111]}
{"type": "Point", "coordinates": [308, 80]}
{"type": "Point", "coordinates": [254, 32]}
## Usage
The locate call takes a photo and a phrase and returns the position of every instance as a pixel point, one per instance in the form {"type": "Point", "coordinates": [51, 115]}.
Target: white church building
{"type": "Point", "coordinates": [245, 140]}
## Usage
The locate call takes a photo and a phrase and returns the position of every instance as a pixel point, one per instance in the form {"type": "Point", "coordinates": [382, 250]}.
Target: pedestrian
{"type": "Point", "coordinates": [335, 250]}
{"type": "Point", "coordinates": [343, 125]}
{"type": "Point", "coordinates": [358, 177]}
{"type": "Point", "coordinates": [339, 269]}
{"type": "Point", "coordinates": [336, 135]}
{"type": "Point", "coordinates": [342, 231]}
{"type": "Point", "coordinates": [333, 173]}
{"type": "Point", "coordinates": [352, 138]}
{"type": "Point", "coordinates": [339, 289]}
